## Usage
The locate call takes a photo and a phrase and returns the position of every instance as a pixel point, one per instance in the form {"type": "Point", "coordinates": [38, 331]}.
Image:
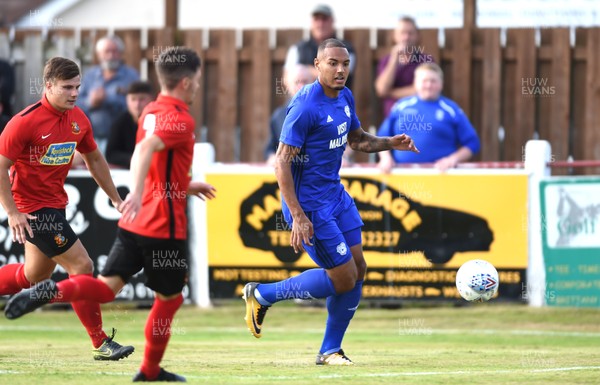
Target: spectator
{"type": "Point", "coordinates": [435, 122]}
{"type": "Point", "coordinates": [103, 87]}
{"type": "Point", "coordinates": [395, 72]}
{"type": "Point", "coordinates": [121, 138]}
{"type": "Point", "coordinates": [7, 87]}
{"type": "Point", "coordinates": [294, 79]}
{"type": "Point", "coordinates": [321, 29]}
{"type": "Point", "coordinates": [4, 119]}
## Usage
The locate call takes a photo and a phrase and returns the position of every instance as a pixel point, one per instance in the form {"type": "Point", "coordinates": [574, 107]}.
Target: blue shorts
{"type": "Point", "coordinates": [336, 229]}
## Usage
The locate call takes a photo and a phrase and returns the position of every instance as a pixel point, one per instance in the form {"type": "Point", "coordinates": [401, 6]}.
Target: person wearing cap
{"type": "Point", "coordinates": [321, 29]}
{"type": "Point", "coordinates": [121, 138]}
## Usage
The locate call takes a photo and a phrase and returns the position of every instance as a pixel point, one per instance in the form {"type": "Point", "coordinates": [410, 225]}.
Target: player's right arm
{"type": "Point", "coordinates": [302, 228]}
{"type": "Point", "coordinates": [140, 165]}
{"type": "Point", "coordinates": [13, 142]}
{"type": "Point", "coordinates": [17, 221]}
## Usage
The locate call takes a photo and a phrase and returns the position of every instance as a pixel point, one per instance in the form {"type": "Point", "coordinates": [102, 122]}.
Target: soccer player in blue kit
{"type": "Point", "coordinates": [325, 222]}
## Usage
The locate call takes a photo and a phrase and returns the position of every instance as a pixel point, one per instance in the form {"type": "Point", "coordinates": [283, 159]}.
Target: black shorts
{"type": "Point", "coordinates": [52, 233]}
{"type": "Point", "coordinates": [164, 261]}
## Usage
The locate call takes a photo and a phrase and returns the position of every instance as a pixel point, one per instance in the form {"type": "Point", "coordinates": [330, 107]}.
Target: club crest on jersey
{"type": "Point", "coordinates": [75, 128]}
{"type": "Point", "coordinates": [58, 154]}
{"type": "Point", "coordinates": [439, 114]}
{"type": "Point", "coordinates": [347, 110]}
{"type": "Point", "coordinates": [60, 240]}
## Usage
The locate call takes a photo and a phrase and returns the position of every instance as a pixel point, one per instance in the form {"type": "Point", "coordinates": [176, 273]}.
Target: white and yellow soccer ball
{"type": "Point", "coordinates": [477, 280]}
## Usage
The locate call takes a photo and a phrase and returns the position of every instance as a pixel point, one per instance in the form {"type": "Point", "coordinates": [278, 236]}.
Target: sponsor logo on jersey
{"type": "Point", "coordinates": [329, 119]}
{"type": "Point", "coordinates": [340, 141]}
{"type": "Point", "coordinates": [58, 154]}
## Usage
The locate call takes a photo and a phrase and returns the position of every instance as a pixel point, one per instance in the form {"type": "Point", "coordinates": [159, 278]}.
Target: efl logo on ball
{"type": "Point", "coordinates": [477, 280]}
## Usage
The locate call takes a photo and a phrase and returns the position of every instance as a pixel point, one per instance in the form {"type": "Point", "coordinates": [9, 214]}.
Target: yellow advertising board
{"type": "Point", "coordinates": [419, 228]}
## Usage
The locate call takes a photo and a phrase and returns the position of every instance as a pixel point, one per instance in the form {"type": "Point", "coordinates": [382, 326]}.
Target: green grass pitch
{"type": "Point", "coordinates": [486, 343]}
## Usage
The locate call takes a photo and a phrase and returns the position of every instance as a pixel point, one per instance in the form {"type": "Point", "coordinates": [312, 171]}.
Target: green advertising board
{"type": "Point", "coordinates": [570, 208]}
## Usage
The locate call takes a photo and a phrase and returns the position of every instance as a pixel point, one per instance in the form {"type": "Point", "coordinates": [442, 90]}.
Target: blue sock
{"type": "Point", "coordinates": [313, 283]}
{"type": "Point", "coordinates": [341, 309]}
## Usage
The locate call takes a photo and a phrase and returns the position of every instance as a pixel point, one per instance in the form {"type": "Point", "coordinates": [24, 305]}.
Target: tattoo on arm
{"type": "Point", "coordinates": [365, 142]}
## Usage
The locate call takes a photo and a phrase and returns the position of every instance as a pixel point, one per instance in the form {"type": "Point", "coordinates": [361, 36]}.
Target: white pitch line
{"type": "Point", "coordinates": [466, 372]}
{"type": "Point", "coordinates": [417, 330]}
{"type": "Point", "coordinates": [554, 333]}
{"type": "Point", "coordinates": [353, 375]}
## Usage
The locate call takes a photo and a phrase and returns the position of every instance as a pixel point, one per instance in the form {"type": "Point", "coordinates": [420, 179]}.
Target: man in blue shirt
{"type": "Point", "coordinates": [320, 121]}
{"type": "Point", "coordinates": [103, 88]}
{"type": "Point", "coordinates": [434, 121]}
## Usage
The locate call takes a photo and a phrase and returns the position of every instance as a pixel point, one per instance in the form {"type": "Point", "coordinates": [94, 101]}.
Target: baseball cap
{"type": "Point", "coordinates": [322, 9]}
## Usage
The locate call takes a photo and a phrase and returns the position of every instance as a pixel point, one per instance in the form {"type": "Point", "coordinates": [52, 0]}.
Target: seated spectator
{"type": "Point", "coordinates": [294, 79]}
{"type": "Point", "coordinates": [438, 126]}
{"type": "Point", "coordinates": [103, 87]}
{"type": "Point", "coordinates": [121, 138]}
{"type": "Point", "coordinates": [321, 29]}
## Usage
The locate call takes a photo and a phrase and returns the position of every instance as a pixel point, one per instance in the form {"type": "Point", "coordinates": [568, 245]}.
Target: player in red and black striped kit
{"type": "Point", "coordinates": [152, 230]}
{"type": "Point", "coordinates": [37, 146]}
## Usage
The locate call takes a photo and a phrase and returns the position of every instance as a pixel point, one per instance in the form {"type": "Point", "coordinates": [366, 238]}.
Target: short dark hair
{"type": "Point", "coordinates": [60, 68]}
{"type": "Point", "coordinates": [330, 43]}
{"type": "Point", "coordinates": [408, 19]}
{"type": "Point", "coordinates": [176, 63]}
{"type": "Point", "coordinates": [140, 87]}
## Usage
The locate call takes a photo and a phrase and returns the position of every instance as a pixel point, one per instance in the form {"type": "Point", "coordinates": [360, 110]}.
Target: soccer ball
{"type": "Point", "coordinates": [477, 280]}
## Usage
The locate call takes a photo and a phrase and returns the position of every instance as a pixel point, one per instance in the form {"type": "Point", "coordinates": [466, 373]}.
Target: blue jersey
{"type": "Point", "coordinates": [438, 127]}
{"type": "Point", "coordinates": [319, 126]}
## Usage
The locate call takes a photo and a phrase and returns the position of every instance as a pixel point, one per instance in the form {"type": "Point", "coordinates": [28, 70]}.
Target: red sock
{"type": "Point", "coordinates": [83, 287]}
{"type": "Point", "coordinates": [12, 279]}
{"type": "Point", "coordinates": [91, 318]}
{"type": "Point", "coordinates": [158, 332]}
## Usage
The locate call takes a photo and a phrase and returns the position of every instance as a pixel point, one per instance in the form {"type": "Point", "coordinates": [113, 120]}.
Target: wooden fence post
{"type": "Point", "coordinates": [255, 100]}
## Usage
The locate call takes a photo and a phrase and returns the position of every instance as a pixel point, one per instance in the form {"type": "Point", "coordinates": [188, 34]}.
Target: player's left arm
{"type": "Point", "coordinates": [202, 190]}
{"type": "Point", "coordinates": [98, 167]}
{"type": "Point", "coordinates": [359, 140]}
